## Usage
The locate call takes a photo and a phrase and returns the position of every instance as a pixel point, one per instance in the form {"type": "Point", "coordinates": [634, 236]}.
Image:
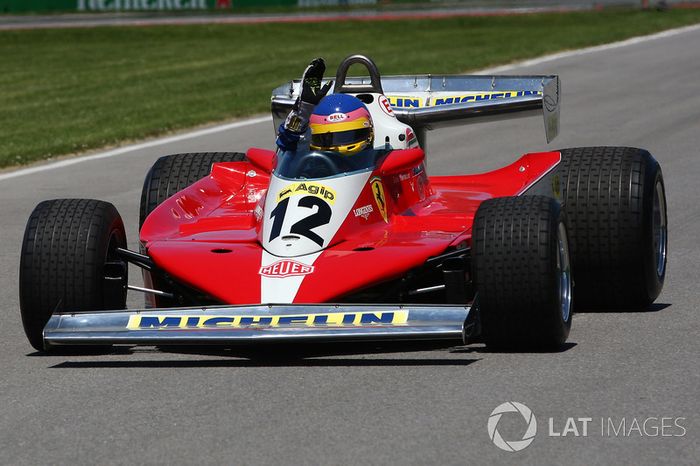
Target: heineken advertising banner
{"type": "Point", "coordinates": [38, 6]}
{"type": "Point", "coordinates": [47, 6]}
{"type": "Point", "coordinates": [127, 5]}
{"type": "Point", "coordinates": [111, 5]}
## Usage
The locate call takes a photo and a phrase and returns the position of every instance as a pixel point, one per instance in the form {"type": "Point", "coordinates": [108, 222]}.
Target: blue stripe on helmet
{"type": "Point", "coordinates": [335, 103]}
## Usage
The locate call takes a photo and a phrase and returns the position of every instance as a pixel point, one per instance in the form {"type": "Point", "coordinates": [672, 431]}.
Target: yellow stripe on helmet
{"type": "Point", "coordinates": [322, 128]}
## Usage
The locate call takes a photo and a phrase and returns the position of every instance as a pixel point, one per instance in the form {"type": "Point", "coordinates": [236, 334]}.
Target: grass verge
{"type": "Point", "coordinates": [69, 90]}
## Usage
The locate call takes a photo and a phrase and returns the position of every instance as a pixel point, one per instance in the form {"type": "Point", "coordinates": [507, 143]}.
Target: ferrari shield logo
{"type": "Point", "coordinates": [379, 197]}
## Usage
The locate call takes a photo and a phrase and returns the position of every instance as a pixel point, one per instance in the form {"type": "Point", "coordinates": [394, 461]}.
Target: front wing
{"type": "Point", "coordinates": [228, 325]}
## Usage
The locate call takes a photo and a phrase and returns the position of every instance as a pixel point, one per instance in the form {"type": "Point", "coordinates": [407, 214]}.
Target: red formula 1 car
{"type": "Point", "coordinates": [308, 246]}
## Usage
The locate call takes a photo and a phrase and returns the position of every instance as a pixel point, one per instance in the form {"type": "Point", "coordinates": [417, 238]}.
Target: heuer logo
{"type": "Point", "coordinates": [285, 268]}
{"type": "Point", "coordinates": [337, 117]}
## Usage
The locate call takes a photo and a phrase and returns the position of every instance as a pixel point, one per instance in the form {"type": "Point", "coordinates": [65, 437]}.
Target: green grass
{"type": "Point", "coordinates": [65, 91]}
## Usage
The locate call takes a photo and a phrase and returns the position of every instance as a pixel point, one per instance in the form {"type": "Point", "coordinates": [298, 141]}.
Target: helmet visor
{"type": "Point", "coordinates": [341, 138]}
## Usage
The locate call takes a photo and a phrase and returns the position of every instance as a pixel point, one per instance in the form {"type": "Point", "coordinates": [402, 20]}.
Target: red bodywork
{"type": "Point", "coordinates": [208, 235]}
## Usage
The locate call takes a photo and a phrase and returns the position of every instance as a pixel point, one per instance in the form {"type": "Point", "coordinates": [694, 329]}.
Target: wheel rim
{"type": "Point", "coordinates": [114, 266]}
{"type": "Point", "coordinates": [660, 229]}
{"type": "Point", "coordinates": [112, 245]}
{"type": "Point", "coordinates": [564, 272]}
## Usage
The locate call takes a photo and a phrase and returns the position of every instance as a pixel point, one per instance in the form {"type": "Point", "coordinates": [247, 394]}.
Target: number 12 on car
{"type": "Point", "coordinates": [319, 214]}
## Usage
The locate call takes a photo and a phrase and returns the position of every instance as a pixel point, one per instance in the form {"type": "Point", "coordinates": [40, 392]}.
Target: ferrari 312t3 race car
{"type": "Point", "coordinates": [263, 246]}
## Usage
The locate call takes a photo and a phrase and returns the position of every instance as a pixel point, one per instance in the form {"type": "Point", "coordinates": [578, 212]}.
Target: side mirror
{"type": "Point", "coordinates": [399, 161]}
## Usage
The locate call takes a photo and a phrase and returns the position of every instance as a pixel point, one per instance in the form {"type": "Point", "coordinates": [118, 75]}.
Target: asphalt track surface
{"type": "Point", "coordinates": [408, 404]}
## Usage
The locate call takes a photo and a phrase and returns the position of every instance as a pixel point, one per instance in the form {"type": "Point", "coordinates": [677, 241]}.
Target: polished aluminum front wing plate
{"type": "Point", "coordinates": [227, 325]}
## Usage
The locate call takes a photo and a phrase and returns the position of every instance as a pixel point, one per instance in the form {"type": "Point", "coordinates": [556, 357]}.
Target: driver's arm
{"type": "Point", "coordinates": [311, 93]}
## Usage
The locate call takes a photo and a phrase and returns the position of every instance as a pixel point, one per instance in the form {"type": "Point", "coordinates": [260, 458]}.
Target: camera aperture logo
{"type": "Point", "coordinates": [575, 427]}
{"type": "Point", "coordinates": [521, 410]}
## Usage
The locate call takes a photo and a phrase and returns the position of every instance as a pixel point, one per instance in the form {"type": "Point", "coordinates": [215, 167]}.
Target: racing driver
{"type": "Point", "coordinates": [340, 123]}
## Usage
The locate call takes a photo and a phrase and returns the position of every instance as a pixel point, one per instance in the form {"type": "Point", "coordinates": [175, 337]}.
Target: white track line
{"type": "Point", "coordinates": [254, 121]}
{"type": "Point", "coordinates": [135, 147]}
{"type": "Point", "coordinates": [593, 49]}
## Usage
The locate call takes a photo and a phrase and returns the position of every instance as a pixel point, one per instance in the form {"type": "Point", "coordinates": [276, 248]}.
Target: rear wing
{"type": "Point", "coordinates": [428, 102]}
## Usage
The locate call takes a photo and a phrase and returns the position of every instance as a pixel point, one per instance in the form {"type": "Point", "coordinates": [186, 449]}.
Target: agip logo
{"type": "Point", "coordinates": [522, 411]}
{"type": "Point", "coordinates": [308, 188]}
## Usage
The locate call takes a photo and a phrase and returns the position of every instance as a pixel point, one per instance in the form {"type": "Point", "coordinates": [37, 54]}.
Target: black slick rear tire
{"type": "Point", "coordinates": [615, 205]}
{"type": "Point", "coordinates": [173, 173]}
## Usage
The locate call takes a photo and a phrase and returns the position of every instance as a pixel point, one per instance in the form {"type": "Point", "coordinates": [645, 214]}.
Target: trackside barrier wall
{"type": "Point", "coordinates": [47, 6]}
{"type": "Point", "coordinates": [18, 6]}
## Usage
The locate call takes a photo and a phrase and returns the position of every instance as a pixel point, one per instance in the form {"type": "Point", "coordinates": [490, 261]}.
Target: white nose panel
{"type": "Point", "coordinates": [281, 278]}
{"type": "Point", "coordinates": [302, 216]}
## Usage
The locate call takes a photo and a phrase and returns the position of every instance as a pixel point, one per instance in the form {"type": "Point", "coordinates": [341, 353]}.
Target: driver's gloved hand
{"type": "Point", "coordinates": [310, 95]}
{"type": "Point", "coordinates": [311, 90]}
